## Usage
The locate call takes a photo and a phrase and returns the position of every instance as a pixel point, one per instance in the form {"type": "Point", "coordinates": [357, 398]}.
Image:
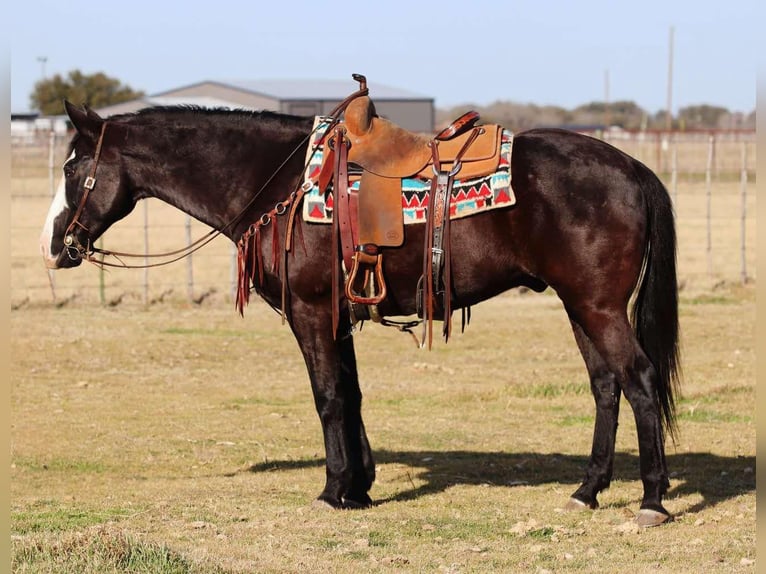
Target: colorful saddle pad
{"type": "Point", "coordinates": [468, 197]}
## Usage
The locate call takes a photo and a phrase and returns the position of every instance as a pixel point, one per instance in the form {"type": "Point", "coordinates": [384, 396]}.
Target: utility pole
{"type": "Point", "coordinates": [669, 107]}
{"type": "Point", "coordinates": [607, 110]}
{"type": "Point", "coordinates": [42, 60]}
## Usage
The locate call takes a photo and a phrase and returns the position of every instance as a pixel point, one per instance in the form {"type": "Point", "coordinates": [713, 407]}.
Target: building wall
{"type": "Point", "coordinates": [414, 115]}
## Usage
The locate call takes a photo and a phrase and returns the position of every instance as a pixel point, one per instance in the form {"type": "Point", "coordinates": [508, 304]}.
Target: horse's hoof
{"type": "Point", "coordinates": [647, 518]}
{"type": "Point", "coordinates": [322, 504]}
{"type": "Point", "coordinates": [351, 504]}
{"type": "Point", "coordinates": [575, 505]}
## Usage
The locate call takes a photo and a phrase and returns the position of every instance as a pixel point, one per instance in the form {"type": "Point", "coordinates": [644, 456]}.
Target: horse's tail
{"type": "Point", "coordinates": [655, 310]}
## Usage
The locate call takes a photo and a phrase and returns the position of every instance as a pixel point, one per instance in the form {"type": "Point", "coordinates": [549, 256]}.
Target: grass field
{"type": "Point", "coordinates": [184, 437]}
{"type": "Point", "coordinates": [178, 437]}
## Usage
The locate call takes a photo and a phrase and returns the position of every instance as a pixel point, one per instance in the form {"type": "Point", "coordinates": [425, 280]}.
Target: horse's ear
{"type": "Point", "coordinates": [86, 122]}
{"type": "Point", "coordinates": [92, 114]}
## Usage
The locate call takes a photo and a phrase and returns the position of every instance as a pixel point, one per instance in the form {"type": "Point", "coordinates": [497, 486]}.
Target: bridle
{"type": "Point", "coordinates": [73, 246]}
{"type": "Point", "coordinates": [90, 253]}
{"type": "Point", "coordinates": [76, 250]}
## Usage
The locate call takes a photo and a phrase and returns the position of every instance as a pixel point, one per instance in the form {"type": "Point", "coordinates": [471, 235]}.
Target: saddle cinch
{"type": "Point", "coordinates": [382, 154]}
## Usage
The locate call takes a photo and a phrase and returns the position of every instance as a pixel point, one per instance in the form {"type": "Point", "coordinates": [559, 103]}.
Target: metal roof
{"type": "Point", "coordinates": [202, 101]}
{"type": "Point", "coordinates": [151, 101]}
{"type": "Point", "coordinates": [318, 89]}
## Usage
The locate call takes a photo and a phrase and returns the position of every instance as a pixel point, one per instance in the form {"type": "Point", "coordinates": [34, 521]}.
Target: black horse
{"type": "Point", "coordinates": [589, 222]}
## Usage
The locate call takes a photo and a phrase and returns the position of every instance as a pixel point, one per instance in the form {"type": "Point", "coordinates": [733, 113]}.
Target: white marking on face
{"type": "Point", "coordinates": [57, 207]}
{"type": "Point", "coordinates": [70, 158]}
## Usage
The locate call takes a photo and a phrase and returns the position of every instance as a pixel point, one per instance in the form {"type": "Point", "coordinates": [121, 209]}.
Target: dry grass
{"type": "Point", "coordinates": [193, 430]}
{"type": "Point", "coordinates": [177, 437]}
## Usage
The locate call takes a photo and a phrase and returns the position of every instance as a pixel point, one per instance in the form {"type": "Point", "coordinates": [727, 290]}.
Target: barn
{"type": "Point", "coordinates": [305, 97]}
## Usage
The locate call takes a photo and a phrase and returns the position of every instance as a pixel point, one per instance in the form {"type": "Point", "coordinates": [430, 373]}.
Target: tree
{"type": "Point", "coordinates": [624, 113]}
{"type": "Point", "coordinates": [95, 90]}
{"type": "Point", "coordinates": [701, 117]}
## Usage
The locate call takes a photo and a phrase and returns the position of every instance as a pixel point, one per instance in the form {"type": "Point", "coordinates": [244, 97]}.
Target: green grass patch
{"type": "Point", "coordinates": [576, 420]}
{"type": "Point", "coordinates": [548, 390]}
{"type": "Point", "coordinates": [544, 533]}
{"type": "Point", "coordinates": [50, 516]}
{"type": "Point", "coordinates": [714, 396]}
{"type": "Point", "coordinates": [477, 527]}
{"type": "Point", "coordinates": [709, 299]}
{"type": "Point", "coordinates": [710, 416]}
{"type": "Point", "coordinates": [377, 539]}
{"type": "Point", "coordinates": [61, 465]}
{"type": "Point", "coordinates": [328, 543]}
{"type": "Point", "coordinates": [357, 555]}
{"type": "Point", "coordinates": [94, 552]}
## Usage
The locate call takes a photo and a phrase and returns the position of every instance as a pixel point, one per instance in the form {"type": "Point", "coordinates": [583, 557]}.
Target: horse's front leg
{"type": "Point", "coordinates": [338, 399]}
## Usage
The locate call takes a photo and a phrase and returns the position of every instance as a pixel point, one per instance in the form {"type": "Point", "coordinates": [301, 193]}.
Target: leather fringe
{"type": "Point", "coordinates": [244, 270]}
{"type": "Point", "coordinates": [250, 265]}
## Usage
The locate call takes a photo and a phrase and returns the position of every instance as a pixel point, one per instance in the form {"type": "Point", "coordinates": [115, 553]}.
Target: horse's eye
{"type": "Point", "coordinates": [69, 165]}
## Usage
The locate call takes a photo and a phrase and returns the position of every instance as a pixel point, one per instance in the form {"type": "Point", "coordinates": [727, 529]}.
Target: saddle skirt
{"type": "Point", "coordinates": [470, 195]}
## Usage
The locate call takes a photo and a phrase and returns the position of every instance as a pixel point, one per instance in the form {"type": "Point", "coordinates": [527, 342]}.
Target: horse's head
{"type": "Point", "coordinates": [92, 194]}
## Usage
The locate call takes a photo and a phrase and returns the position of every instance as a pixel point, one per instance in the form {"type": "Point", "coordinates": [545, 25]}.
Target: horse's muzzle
{"type": "Point", "coordinates": [66, 258]}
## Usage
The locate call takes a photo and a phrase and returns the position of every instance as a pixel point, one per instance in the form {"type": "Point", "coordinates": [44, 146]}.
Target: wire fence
{"type": "Point", "coordinates": [710, 177]}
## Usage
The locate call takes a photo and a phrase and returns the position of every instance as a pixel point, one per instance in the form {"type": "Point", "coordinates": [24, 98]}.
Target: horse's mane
{"type": "Point", "coordinates": [155, 113]}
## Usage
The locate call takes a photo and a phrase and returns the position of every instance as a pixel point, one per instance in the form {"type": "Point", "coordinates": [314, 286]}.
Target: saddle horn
{"type": "Point", "coordinates": [361, 79]}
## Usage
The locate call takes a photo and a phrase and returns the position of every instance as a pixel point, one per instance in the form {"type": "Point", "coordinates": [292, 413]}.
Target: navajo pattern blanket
{"type": "Point", "coordinates": [468, 197]}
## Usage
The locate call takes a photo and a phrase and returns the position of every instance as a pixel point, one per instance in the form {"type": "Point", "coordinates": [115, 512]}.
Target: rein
{"type": "Point", "coordinates": [75, 249]}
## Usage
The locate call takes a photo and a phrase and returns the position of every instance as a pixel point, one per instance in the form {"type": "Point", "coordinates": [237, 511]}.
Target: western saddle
{"type": "Point", "coordinates": [384, 154]}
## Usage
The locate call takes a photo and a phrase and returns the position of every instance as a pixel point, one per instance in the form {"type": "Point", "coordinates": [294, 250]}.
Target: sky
{"type": "Point", "coordinates": [545, 52]}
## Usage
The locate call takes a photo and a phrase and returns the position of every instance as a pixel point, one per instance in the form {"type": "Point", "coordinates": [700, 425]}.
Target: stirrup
{"type": "Point", "coordinates": [362, 258]}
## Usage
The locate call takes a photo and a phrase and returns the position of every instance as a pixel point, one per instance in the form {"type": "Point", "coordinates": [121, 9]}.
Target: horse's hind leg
{"type": "Point", "coordinates": [606, 392]}
{"type": "Point", "coordinates": [350, 469]}
{"type": "Point", "coordinates": [613, 338]}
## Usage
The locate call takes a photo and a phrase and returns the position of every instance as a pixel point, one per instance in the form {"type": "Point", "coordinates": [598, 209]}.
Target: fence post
{"type": "Point", "coordinates": [51, 160]}
{"type": "Point", "coordinates": [101, 276]}
{"type": "Point", "coordinates": [708, 183]}
{"type": "Point", "coordinates": [233, 272]}
{"type": "Point", "coordinates": [52, 188]}
{"type": "Point", "coordinates": [189, 266]}
{"type": "Point", "coordinates": [674, 173]}
{"type": "Point", "coordinates": [660, 139]}
{"type": "Point", "coordinates": [146, 252]}
{"type": "Point", "coordinates": [743, 183]}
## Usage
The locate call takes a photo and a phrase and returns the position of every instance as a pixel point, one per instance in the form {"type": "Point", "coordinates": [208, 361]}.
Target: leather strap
{"type": "Point", "coordinates": [342, 198]}
{"type": "Point", "coordinates": [437, 274]}
{"type": "Point", "coordinates": [342, 239]}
